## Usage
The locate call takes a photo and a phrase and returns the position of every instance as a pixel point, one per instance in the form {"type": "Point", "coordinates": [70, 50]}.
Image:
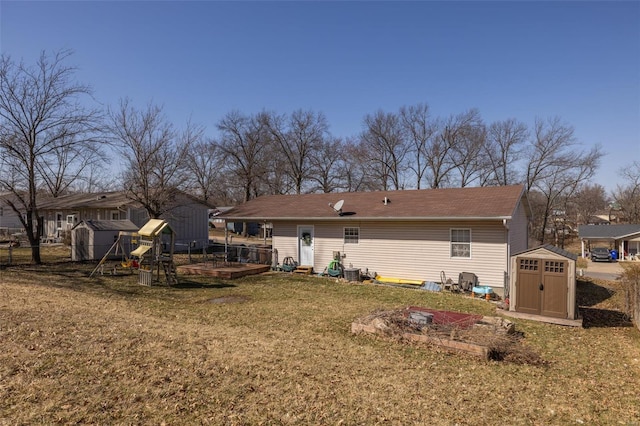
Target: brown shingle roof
{"type": "Point", "coordinates": [102, 200]}
{"type": "Point", "coordinates": [434, 204]}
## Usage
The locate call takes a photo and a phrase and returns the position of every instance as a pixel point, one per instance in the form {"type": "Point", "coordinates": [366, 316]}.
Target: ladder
{"type": "Point", "coordinates": [170, 272]}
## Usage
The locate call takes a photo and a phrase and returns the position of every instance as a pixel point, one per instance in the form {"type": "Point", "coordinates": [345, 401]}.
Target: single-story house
{"type": "Point", "coordinates": [625, 239]}
{"type": "Point", "coordinates": [413, 234]}
{"type": "Point", "coordinates": [188, 217]}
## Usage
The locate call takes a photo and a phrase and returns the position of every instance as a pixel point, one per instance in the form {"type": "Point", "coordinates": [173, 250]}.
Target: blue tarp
{"type": "Point", "coordinates": [431, 286]}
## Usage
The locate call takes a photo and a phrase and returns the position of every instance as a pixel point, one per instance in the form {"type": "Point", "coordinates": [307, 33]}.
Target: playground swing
{"type": "Point", "coordinates": [125, 262]}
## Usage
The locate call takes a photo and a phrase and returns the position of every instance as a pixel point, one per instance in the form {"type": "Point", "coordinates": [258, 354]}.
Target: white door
{"type": "Point", "coordinates": [305, 245]}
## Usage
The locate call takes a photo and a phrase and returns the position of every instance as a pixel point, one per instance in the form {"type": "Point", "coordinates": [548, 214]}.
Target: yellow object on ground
{"type": "Point", "coordinates": [394, 280]}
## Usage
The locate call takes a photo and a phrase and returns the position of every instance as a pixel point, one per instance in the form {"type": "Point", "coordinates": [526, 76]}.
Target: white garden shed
{"type": "Point", "coordinates": [92, 239]}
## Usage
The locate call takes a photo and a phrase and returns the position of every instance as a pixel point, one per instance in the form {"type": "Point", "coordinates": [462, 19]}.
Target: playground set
{"type": "Point", "coordinates": [153, 258]}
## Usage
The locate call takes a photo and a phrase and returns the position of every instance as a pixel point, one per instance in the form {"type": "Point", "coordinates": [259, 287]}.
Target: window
{"type": "Point", "coordinates": [461, 243]}
{"type": "Point", "coordinates": [115, 215]}
{"type": "Point", "coordinates": [553, 266]}
{"type": "Point", "coordinates": [528, 264]}
{"type": "Point", "coordinates": [351, 235]}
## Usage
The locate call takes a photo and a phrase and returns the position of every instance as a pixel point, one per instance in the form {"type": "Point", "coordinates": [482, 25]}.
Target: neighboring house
{"type": "Point", "coordinates": [9, 220]}
{"type": "Point", "coordinates": [625, 239]}
{"type": "Point", "coordinates": [598, 219]}
{"type": "Point", "coordinates": [188, 218]}
{"type": "Point", "coordinates": [414, 234]}
{"type": "Point", "coordinates": [216, 221]}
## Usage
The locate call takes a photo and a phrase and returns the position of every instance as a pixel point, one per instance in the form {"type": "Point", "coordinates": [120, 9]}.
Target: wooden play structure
{"type": "Point", "coordinates": [155, 253]}
{"type": "Point", "coordinates": [153, 258]}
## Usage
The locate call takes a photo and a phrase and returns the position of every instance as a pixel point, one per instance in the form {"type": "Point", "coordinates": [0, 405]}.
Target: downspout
{"type": "Point", "coordinates": [507, 283]}
{"type": "Point", "coordinates": [226, 242]}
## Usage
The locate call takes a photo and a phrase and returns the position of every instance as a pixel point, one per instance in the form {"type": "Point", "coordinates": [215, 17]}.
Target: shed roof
{"type": "Point", "coordinates": [553, 249]}
{"type": "Point", "coordinates": [608, 232]}
{"type": "Point", "coordinates": [481, 203]}
{"type": "Point", "coordinates": [109, 225]}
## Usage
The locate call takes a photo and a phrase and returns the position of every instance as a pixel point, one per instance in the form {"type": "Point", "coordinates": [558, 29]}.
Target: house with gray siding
{"type": "Point", "coordinates": [187, 216]}
{"type": "Point", "coordinates": [412, 234]}
{"type": "Point", "coordinates": [9, 220]}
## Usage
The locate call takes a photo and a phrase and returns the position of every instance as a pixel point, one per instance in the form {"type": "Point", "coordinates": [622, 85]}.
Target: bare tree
{"type": "Point", "coordinates": [155, 155]}
{"type": "Point", "coordinates": [588, 200]}
{"type": "Point", "coordinates": [628, 196]}
{"type": "Point", "coordinates": [67, 165]}
{"type": "Point", "coordinates": [467, 137]}
{"type": "Point", "coordinates": [419, 130]}
{"type": "Point", "coordinates": [555, 168]}
{"type": "Point", "coordinates": [326, 165]}
{"type": "Point", "coordinates": [503, 149]}
{"type": "Point", "coordinates": [204, 164]}
{"type": "Point", "coordinates": [95, 177]}
{"type": "Point", "coordinates": [356, 171]}
{"type": "Point", "coordinates": [298, 137]}
{"type": "Point", "coordinates": [387, 149]}
{"type": "Point", "coordinates": [276, 179]}
{"type": "Point", "coordinates": [244, 141]}
{"type": "Point", "coordinates": [42, 128]}
{"type": "Point", "coordinates": [440, 153]}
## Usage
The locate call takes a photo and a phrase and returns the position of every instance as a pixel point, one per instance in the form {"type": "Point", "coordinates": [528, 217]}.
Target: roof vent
{"type": "Point", "coordinates": [101, 197]}
{"type": "Point", "coordinates": [386, 201]}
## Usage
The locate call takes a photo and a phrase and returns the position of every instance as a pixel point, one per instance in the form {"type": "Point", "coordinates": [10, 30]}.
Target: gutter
{"type": "Point", "coordinates": [369, 219]}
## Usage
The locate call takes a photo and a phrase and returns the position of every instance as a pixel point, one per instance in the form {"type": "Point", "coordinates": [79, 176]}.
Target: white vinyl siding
{"type": "Point", "coordinates": [408, 249]}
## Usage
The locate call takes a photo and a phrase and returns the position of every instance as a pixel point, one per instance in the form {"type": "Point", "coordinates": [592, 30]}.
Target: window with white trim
{"type": "Point", "coordinates": [461, 243]}
{"type": "Point", "coordinates": [351, 235]}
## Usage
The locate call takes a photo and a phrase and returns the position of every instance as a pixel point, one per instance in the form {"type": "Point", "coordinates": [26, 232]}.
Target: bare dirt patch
{"type": "Point", "coordinates": [228, 299]}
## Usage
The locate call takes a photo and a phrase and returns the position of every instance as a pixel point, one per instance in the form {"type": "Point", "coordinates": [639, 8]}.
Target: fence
{"type": "Point", "coordinates": [631, 282]}
{"type": "Point", "coordinates": [185, 253]}
{"type": "Point", "coordinates": [10, 255]}
{"type": "Point", "coordinates": [238, 253]}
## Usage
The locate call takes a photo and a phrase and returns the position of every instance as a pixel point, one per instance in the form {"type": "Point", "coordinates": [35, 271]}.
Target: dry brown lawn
{"type": "Point", "coordinates": [277, 349]}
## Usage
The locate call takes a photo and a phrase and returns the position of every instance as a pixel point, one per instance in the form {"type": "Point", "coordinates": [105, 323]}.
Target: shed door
{"type": "Point", "coordinates": [555, 288]}
{"type": "Point", "coordinates": [528, 299]}
{"type": "Point", "coordinates": [82, 244]}
{"type": "Point", "coordinates": [542, 287]}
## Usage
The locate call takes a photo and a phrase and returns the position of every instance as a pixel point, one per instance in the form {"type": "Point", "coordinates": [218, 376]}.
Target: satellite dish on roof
{"type": "Point", "coordinates": [337, 206]}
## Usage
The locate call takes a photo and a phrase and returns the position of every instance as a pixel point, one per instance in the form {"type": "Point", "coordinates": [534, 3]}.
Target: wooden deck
{"type": "Point", "coordinates": [229, 271]}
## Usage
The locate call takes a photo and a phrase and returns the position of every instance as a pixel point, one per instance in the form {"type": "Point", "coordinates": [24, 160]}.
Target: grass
{"type": "Point", "coordinates": [277, 349]}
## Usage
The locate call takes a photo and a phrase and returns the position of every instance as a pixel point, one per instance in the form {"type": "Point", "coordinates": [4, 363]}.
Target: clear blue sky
{"type": "Point", "coordinates": [576, 60]}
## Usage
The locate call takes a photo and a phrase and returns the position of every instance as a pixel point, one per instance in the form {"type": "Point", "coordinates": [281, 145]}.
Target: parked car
{"type": "Point", "coordinates": [600, 254]}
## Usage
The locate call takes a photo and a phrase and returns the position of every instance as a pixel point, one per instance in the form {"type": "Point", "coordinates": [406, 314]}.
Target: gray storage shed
{"type": "Point", "coordinates": [92, 239]}
{"type": "Point", "coordinates": [543, 283]}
